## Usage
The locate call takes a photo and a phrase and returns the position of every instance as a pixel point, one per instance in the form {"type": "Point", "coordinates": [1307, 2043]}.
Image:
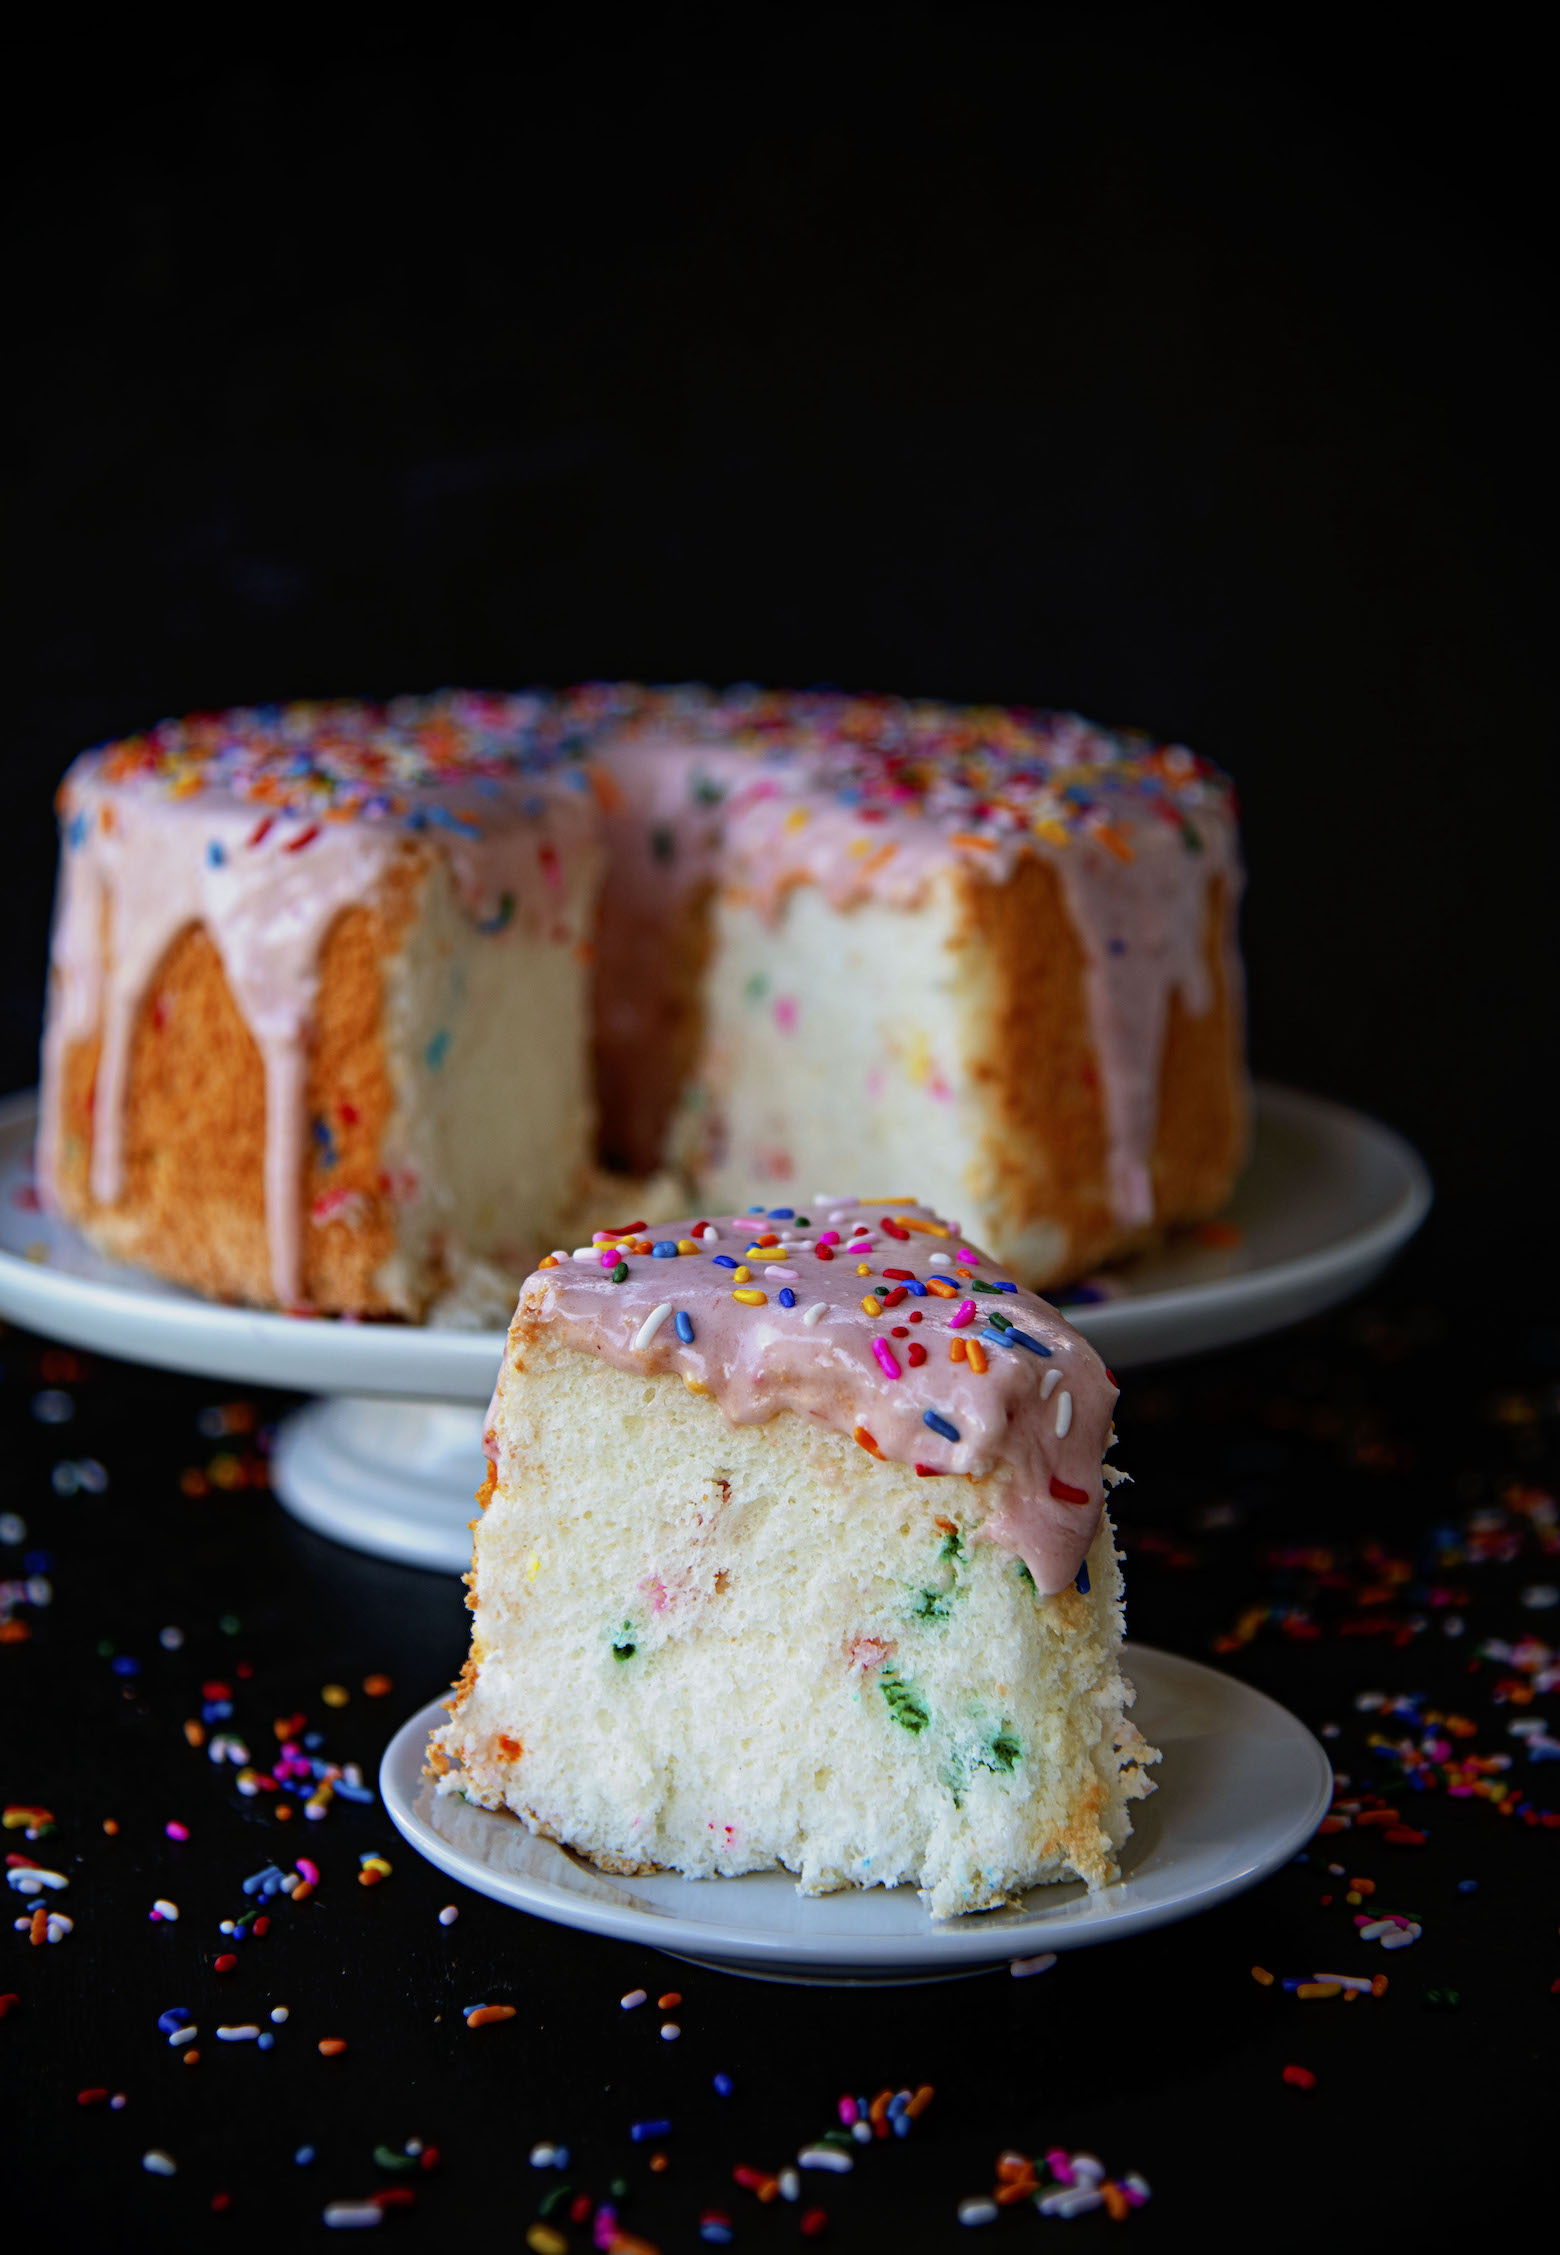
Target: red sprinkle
{"type": "Point", "coordinates": [1300, 2077]}
{"type": "Point", "coordinates": [905, 1275]}
{"type": "Point", "coordinates": [892, 1229]}
{"type": "Point", "coordinates": [225, 1963]}
{"type": "Point", "coordinates": [814, 2221]}
{"type": "Point", "coordinates": [1066, 1494]}
{"type": "Point", "coordinates": [261, 829]}
{"type": "Point", "coordinates": [304, 838]}
{"type": "Point", "coordinates": [91, 2098]}
{"type": "Point", "coordinates": [824, 1252]}
{"type": "Point", "coordinates": [915, 1354]}
{"type": "Point", "coordinates": [1404, 1836]}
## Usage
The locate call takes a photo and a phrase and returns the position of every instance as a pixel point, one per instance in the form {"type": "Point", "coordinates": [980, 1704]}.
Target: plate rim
{"type": "Point", "coordinates": [180, 1331]}
{"type": "Point", "coordinates": [959, 1945]}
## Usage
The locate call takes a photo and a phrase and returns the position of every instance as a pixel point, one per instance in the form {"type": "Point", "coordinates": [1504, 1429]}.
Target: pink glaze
{"type": "Point", "coordinates": [1014, 1441]}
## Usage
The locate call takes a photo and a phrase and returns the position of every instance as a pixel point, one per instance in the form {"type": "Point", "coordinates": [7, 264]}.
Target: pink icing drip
{"type": "Point", "coordinates": [148, 867]}
{"type": "Point", "coordinates": [846, 1370]}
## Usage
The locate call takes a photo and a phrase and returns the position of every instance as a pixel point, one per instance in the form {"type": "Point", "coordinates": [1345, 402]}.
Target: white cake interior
{"type": "Point", "coordinates": [720, 1648]}
{"type": "Point", "coordinates": [494, 1118]}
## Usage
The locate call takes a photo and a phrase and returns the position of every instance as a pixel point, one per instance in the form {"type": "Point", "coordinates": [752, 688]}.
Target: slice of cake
{"type": "Point", "coordinates": [794, 1552]}
{"type": "Point", "coordinates": [318, 993]}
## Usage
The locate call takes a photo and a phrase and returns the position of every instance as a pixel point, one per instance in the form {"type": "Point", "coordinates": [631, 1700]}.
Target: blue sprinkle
{"type": "Point", "coordinates": [755, 1209]}
{"type": "Point", "coordinates": [176, 2016]}
{"type": "Point", "coordinates": [901, 2124]}
{"type": "Point", "coordinates": [502, 916]}
{"type": "Point", "coordinates": [916, 1289]}
{"type": "Point", "coordinates": [125, 1666]}
{"type": "Point", "coordinates": [1017, 1338]}
{"type": "Point", "coordinates": [447, 821]}
{"type": "Point", "coordinates": [438, 1049]}
{"type": "Point", "coordinates": [665, 1251]}
{"type": "Point", "coordinates": [995, 1338]}
{"type": "Point", "coordinates": [939, 1425]}
{"type": "Point", "coordinates": [787, 1297]}
{"type": "Point", "coordinates": [77, 832]}
{"type": "Point", "coordinates": [345, 1792]}
{"type": "Point", "coordinates": [639, 2131]}
{"type": "Point", "coordinates": [265, 2041]}
{"type": "Point", "coordinates": [303, 2156]}
{"type": "Point", "coordinates": [215, 857]}
{"type": "Point", "coordinates": [684, 1323]}
{"type": "Point", "coordinates": [1004, 1284]}
{"type": "Point", "coordinates": [313, 1738]}
{"type": "Point", "coordinates": [1467, 1886]}
{"type": "Point", "coordinates": [782, 1213]}
{"type": "Point", "coordinates": [724, 1260]}
{"type": "Point", "coordinates": [1081, 1585]}
{"type": "Point", "coordinates": [723, 2086]}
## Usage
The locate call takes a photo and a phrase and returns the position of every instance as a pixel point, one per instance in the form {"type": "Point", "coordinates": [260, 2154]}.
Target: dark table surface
{"type": "Point", "coordinates": [1357, 1516]}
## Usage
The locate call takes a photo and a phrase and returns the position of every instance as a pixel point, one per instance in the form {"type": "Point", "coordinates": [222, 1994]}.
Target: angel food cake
{"type": "Point", "coordinates": [794, 1551]}
{"type": "Point", "coordinates": [341, 995]}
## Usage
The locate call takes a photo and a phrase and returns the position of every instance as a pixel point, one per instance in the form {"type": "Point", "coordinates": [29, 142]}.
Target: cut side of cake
{"type": "Point", "coordinates": [793, 1552]}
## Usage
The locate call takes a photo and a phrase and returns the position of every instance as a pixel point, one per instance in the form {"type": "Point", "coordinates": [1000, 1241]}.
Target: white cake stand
{"type": "Point", "coordinates": [388, 1462]}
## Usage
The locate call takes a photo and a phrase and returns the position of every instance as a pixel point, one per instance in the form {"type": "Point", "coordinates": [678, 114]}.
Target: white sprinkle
{"type": "Point", "coordinates": [159, 2164]}
{"type": "Point", "coordinates": [182, 2035]}
{"type": "Point", "coordinates": [448, 1915]}
{"type": "Point", "coordinates": [543, 2156]}
{"type": "Point", "coordinates": [709, 1233]}
{"type": "Point", "coordinates": [939, 1260]}
{"type": "Point", "coordinates": [861, 2131]}
{"type": "Point", "coordinates": [243, 2035]}
{"type": "Point", "coordinates": [1073, 2200]}
{"type": "Point", "coordinates": [814, 1314]}
{"type": "Point", "coordinates": [1050, 1382]}
{"type": "Point", "coordinates": [353, 2215]}
{"type": "Point", "coordinates": [170, 1639]}
{"type": "Point", "coordinates": [651, 1325]}
{"type": "Point", "coordinates": [28, 1879]}
{"type": "Point", "coordinates": [1132, 2182]}
{"type": "Point", "coordinates": [825, 2157]}
{"type": "Point", "coordinates": [776, 1269]}
{"type": "Point", "coordinates": [790, 2185]}
{"type": "Point", "coordinates": [977, 2211]}
{"type": "Point", "coordinates": [1063, 1414]}
{"type": "Point", "coordinates": [669, 2031]}
{"type": "Point", "coordinates": [634, 1998]}
{"type": "Point", "coordinates": [161, 1909]}
{"type": "Point", "coordinates": [1023, 1968]}
{"type": "Point", "coordinates": [1344, 1980]}
{"type": "Point", "coordinates": [1538, 1597]}
{"type": "Point", "coordinates": [279, 2013]}
{"type": "Point", "coordinates": [59, 1926]}
{"type": "Point", "coordinates": [1089, 2167]}
{"type": "Point", "coordinates": [1401, 1939]}
{"type": "Point", "coordinates": [586, 1253]}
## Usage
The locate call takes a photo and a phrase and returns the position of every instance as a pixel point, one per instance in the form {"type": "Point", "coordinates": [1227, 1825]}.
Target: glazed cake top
{"type": "Point", "coordinates": [875, 1316]}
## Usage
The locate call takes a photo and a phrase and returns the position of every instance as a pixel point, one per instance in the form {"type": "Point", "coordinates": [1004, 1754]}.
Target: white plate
{"type": "Point", "coordinates": [1327, 1200]}
{"type": "Point", "coordinates": [1242, 1787]}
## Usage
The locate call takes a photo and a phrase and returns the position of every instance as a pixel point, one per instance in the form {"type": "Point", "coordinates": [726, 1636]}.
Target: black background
{"type": "Point", "coordinates": [1190, 372]}
{"type": "Point", "coordinates": [1186, 374]}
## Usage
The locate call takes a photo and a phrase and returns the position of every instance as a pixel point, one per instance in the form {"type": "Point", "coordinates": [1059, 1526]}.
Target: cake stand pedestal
{"type": "Point", "coordinates": [390, 1461]}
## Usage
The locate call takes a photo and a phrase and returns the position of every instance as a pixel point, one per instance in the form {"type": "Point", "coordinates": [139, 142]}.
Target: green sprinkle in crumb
{"type": "Point", "coordinates": [904, 1702]}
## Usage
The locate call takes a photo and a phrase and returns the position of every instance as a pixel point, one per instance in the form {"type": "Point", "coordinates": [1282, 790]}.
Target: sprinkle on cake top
{"type": "Point", "coordinates": [876, 1317]}
{"type": "Point", "coordinates": [981, 774]}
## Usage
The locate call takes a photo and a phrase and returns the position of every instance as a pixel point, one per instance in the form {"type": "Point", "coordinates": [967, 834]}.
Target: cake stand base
{"type": "Point", "coordinates": [394, 1478]}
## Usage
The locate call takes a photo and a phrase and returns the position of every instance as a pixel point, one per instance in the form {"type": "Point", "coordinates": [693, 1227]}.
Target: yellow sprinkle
{"type": "Point", "coordinates": [742, 1275]}
{"type": "Point", "coordinates": [926, 1228]}
{"type": "Point", "coordinates": [859, 846]}
{"type": "Point", "coordinates": [901, 1200]}
{"type": "Point", "coordinates": [1260, 1973]}
{"type": "Point", "coordinates": [797, 818]}
{"type": "Point", "coordinates": [533, 1567]}
{"type": "Point", "coordinates": [863, 1268]}
{"type": "Point", "coordinates": [752, 1299]}
{"type": "Point", "coordinates": [872, 1304]}
{"type": "Point", "coordinates": [957, 1349]}
{"type": "Point", "coordinates": [1052, 831]}
{"type": "Point", "coordinates": [1319, 1989]}
{"type": "Point", "coordinates": [977, 1357]}
{"type": "Point", "coordinates": [550, 1262]}
{"type": "Point", "coordinates": [543, 2240]}
{"type": "Point", "coordinates": [686, 1245]}
{"type": "Point", "coordinates": [694, 1385]}
{"type": "Point", "coordinates": [335, 1695]}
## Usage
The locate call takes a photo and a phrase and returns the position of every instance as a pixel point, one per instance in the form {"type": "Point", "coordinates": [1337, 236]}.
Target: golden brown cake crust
{"type": "Point", "coordinates": [1047, 1157]}
{"type": "Point", "coordinates": [193, 1203]}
